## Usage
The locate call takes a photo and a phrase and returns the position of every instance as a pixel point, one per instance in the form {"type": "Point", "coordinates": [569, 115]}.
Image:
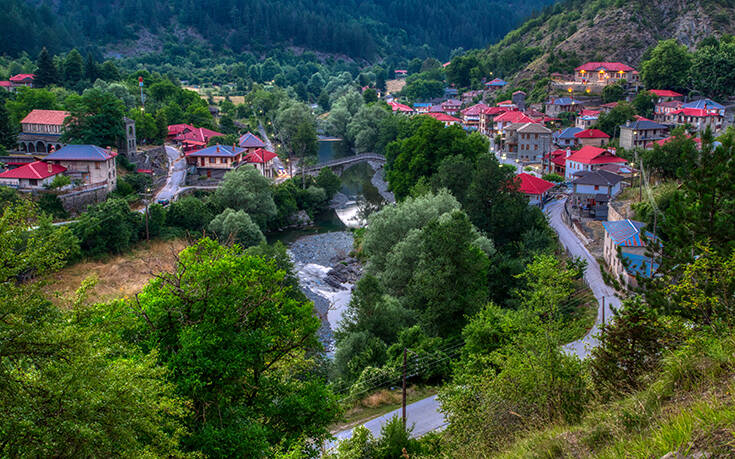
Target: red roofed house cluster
{"type": "Point", "coordinates": [250, 150]}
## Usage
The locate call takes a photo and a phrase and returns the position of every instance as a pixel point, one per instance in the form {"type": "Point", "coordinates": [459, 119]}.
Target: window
{"type": "Point", "coordinates": [597, 187]}
{"type": "Point", "coordinates": [96, 165]}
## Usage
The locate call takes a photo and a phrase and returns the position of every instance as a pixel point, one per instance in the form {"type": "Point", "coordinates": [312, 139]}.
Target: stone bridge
{"type": "Point", "coordinates": [340, 165]}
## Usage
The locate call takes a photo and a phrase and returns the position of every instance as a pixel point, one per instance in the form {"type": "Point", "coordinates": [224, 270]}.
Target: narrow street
{"type": "Point", "coordinates": [425, 416]}
{"type": "Point", "coordinates": [592, 276]}
{"type": "Point", "coordinates": [176, 175]}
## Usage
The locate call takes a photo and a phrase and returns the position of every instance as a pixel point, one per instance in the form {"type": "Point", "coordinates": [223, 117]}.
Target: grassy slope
{"type": "Point", "coordinates": [119, 275]}
{"type": "Point", "coordinates": [689, 408]}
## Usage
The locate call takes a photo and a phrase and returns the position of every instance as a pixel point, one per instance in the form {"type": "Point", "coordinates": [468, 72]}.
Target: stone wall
{"type": "Point", "coordinates": [154, 159]}
{"type": "Point", "coordinates": [76, 202]}
{"type": "Point", "coordinates": [200, 178]}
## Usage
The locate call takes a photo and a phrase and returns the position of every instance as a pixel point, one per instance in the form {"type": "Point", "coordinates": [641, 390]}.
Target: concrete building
{"type": "Point", "coordinates": [637, 134]}
{"type": "Point", "coordinates": [33, 176]}
{"type": "Point", "coordinates": [593, 137]}
{"type": "Point", "coordinates": [528, 142]}
{"type": "Point", "coordinates": [589, 158]}
{"type": "Point", "coordinates": [89, 164]}
{"type": "Point", "coordinates": [592, 190]}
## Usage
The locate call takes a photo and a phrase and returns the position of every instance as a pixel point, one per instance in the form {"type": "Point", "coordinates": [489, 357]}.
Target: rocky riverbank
{"type": "Point", "coordinates": [327, 275]}
{"type": "Point", "coordinates": [379, 182]}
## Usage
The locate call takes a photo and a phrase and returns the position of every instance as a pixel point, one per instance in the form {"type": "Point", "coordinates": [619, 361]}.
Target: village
{"type": "Point", "coordinates": [555, 148]}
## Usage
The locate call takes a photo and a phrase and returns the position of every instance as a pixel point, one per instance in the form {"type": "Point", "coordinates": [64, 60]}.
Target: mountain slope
{"type": "Point", "coordinates": [575, 31]}
{"type": "Point", "coordinates": [359, 29]}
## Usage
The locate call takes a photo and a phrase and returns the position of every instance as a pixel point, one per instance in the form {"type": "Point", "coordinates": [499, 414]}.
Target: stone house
{"type": "Point", "coordinates": [593, 190]}
{"type": "Point", "coordinates": [637, 134]}
{"type": "Point", "coordinates": [41, 131]}
{"type": "Point", "coordinates": [625, 251]}
{"type": "Point", "coordinates": [593, 137]}
{"type": "Point", "coordinates": [603, 73]}
{"type": "Point", "coordinates": [528, 142]}
{"type": "Point", "coordinates": [90, 164]}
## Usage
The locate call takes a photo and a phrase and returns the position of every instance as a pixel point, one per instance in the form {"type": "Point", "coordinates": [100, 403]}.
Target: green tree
{"type": "Point", "coordinates": [27, 99]}
{"type": "Point", "coordinates": [609, 122]}
{"type": "Point", "coordinates": [236, 227]}
{"type": "Point", "coordinates": [668, 66]}
{"type": "Point", "coordinates": [370, 96]}
{"type": "Point", "coordinates": [612, 93]}
{"type": "Point", "coordinates": [73, 68]}
{"type": "Point", "coordinates": [93, 228]}
{"type": "Point", "coordinates": [712, 67]}
{"type": "Point", "coordinates": [8, 134]}
{"type": "Point", "coordinates": [329, 182]}
{"type": "Point", "coordinates": [47, 74]}
{"type": "Point", "coordinates": [96, 118]}
{"type": "Point", "coordinates": [246, 189]}
{"type": "Point", "coordinates": [362, 130]}
{"type": "Point", "coordinates": [235, 342]}
{"type": "Point", "coordinates": [644, 103]}
{"type": "Point", "coordinates": [189, 212]}
{"type": "Point", "coordinates": [65, 383]}
{"type": "Point", "coordinates": [90, 68]}
{"type": "Point", "coordinates": [109, 71]}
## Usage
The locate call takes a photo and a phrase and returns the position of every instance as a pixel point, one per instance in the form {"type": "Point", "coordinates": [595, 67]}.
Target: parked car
{"type": "Point", "coordinates": [163, 202]}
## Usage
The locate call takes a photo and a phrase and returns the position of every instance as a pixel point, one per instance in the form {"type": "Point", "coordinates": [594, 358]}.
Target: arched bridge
{"type": "Point", "coordinates": [340, 165]}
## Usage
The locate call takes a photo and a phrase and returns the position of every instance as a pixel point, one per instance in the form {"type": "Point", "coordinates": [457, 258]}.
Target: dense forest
{"type": "Point", "coordinates": [365, 29]}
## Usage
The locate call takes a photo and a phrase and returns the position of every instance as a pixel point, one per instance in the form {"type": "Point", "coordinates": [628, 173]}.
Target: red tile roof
{"type": "Point", "coordinates": [665, 93]}
{"type": "Point", "coordinates": [5, 84]}
{"type": "Point", "coordinates": [558, 157]}
{"type": "Point", "coordinates": [474, 110]}
{"type": "Point", "coordinates": [698, 112]}
{"type": "Point", "coordinates": [593, 155]}
{"type": "Point", "coordinates": [589, 112]}
{"type": "Point", "coordinates": [530, 184]}
{"type": "Point", "coordinates": [176, 129]}
{"type": "Point", "coordinates": [494, 111]}
{"type": "Point", "coordinates": [260, 155]}
{"type": "Point", "coordinates": [198, 135]}
{"type": "Point", "coordinates": [610, 66]}
{"type": "Point", "coordinates": [610, 105]}
{"type": "Point", "coordinates": [515, 117]}
{"type": "Point", "coordinates": [54, 117]}
{"type": "Point", "coordinates": [38, 170]}
{"type": "Point", "coordinates": [444, 118]}
{"type": "Point", "coordinates": [591, 134]}
{"type": "Point", "coordinates": [22, 77]}
{"type": "Point", "coordinates": [505, 102]}
{"type": "Point", "coordinates": [662, 142]}
{"type": "Point", "coordinates": [396, 107]}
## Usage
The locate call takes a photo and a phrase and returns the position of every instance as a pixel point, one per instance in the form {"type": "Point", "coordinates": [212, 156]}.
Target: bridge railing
{"type": "Point", "coordinates": [346, 160]}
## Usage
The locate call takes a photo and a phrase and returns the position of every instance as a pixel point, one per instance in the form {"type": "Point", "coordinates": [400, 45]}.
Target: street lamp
{"type": "Point", "coordinates": [147, 200]}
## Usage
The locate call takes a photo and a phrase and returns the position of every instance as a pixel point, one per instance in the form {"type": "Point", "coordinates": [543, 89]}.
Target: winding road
{"type": "Point", "coordinates": [425, 416]}
{"type": "Point", "coordinates": [176, 175]}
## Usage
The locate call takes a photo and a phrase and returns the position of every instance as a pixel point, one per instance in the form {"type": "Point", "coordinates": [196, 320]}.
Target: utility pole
{"type": "Point", "coordinates": [403, 404]}
{"type": "Point", "coordinates": [603, 309]}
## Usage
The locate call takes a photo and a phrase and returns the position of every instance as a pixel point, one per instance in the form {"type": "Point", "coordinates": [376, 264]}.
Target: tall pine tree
{"type": "Point", "coordinates": [7, 133]}
{"type": "Point", "coordinates": [90, 68]}
{"type": "Point", "coordinates": [73, 68]}
{"type": "Point", "coordinates": [47, 73]}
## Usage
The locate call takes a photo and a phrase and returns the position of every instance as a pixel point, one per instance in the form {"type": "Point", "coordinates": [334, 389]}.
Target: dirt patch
{"type": "Point", "coordinates": [237, 100]}
{"type": "Point", "coordinates": [117, 276]}
{"type": "Point", "coordinates": [395, 86]}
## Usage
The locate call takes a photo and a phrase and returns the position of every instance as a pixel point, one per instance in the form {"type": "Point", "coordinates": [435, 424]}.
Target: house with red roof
{"type": "Point", "coordinates": [663, 112]}
{"type": "Point", "coordinates": [471, 115]}
{"type": "Point", "coordinates": [501, 122]}
{"type": "Point", "coordinates": [451, 106]}
{"type": "Point", "coordinates": [556, 162]}
{"type": "Point", "coordinates": [191, 138]}
{"type": "Point", "coordinates": [589, 158]}
{"type": "Point", "coordinates": [401, 73]}
{"type": "Point", "coordinates": [88, 164]}
{"type": "Point", "coordinates": [606, 108]}
{"type": "Point", "coordinates": [469, 96]}
{"type": "Point", "coordinates": [699, 118]}
{"type": "Point", "coordinates": [41, 131]}
{"type": "Point", "coordinates": [487, 119]}
{"type": "Point", "coordinates": [6, 85]}
{"type": "Point", "coordinates": [32, 176]}
{"type": "Point", "coordinates": [594, 137]}
{"type": "Point", "coordinates": [666, 95]}
{"type": "Point", "coordinates": [603, 73]}
{"type": "Point", "coordinates": [448, 120]}
{"type": "Point", "coordinates": [662, 142]}
{"type": "Point", "coordinates": [534, 188]}
{"type": "Point", "coordinates": [22, 80]}
{"type": "Point", "coordinates": [401, 108]}
{"type": "Point", "coordinates": [221, 157]}
{"type": "Point", "coordinates": [262, 159]}
{"type": "Point", "coordinates": [586, 118]}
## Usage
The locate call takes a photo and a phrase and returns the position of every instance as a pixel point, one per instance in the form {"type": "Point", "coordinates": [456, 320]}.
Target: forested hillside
{"type": "Point", "coordinates": [359, 29]}
{"type": "Point", "coordinates": [572, 32]}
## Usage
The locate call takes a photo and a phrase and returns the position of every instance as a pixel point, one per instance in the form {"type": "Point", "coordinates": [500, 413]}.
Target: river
{"type": "Point", "coordinates": [318, 250]}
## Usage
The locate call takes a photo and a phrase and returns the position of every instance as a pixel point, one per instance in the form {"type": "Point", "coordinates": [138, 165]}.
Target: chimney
{"type": "Point", "coordinates": [50, 168]}
{"type": "Point", "coordinates": [217, 148]}
{"type": "Point", "coordinates": [569, 152]}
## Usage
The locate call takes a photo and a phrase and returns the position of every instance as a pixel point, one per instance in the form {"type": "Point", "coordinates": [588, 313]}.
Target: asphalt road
{"type": "Point", "coordinates": [425, 416]}
{"type": "Point", "coordinates": [176, 175]}
{"type": "Point", "coordinates": [592, 277]}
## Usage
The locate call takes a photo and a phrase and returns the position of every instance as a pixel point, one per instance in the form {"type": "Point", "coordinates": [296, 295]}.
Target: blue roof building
{"type": "Point", "coordinates": [625, 251]}
{"type": "Point", "coordinates": [81, 153]}
{"type": "Point", "coordinates": [708, 104]}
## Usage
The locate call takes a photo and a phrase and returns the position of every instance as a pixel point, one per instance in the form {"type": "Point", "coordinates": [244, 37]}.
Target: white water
{"type": "Point", "coordinates": [348, 213]}
{"type": "Point", "coordinates": [311, 276]}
